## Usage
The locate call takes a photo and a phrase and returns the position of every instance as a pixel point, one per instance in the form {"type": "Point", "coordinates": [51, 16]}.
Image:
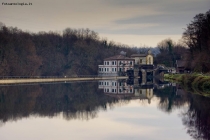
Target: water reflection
{"type": "Point", "coordinates": [197, 117]}
{"type": "Point", "coordinates": [122, 89]}
{"type": "Point", "coordinates": [75, 100]}
{"type": "Point", "coordinates": [84, 101]}
{"type": "Point", "coordinates": [171, 96]}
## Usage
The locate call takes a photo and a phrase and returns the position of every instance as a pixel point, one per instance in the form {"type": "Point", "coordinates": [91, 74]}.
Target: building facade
{"type": "Point", "coordinates": [143, 59]}
{"type": "Point", "coordinates": [116, 64]}
{"type": "Point", "coordinates": [181, 67]}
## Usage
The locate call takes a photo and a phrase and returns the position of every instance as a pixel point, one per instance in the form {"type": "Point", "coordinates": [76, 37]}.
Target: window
{"type": "Point", "coordinates": [115, 69]}
{"type": "Point", "coordinates": [140, 61]}
{"type": "Point", "coordinates": [131, 90]}
{"type": "Point", "coordinates": [107, 83]}
{"type": "Point", "coordinates": [115, 84]}
{"type": "Point", "coordinates": [112, 83]}
{"type": "Point", "coordinates": [107, 69]}
{"type": "Point", "coordinates": [112, 69]}
{"type": "Point", "coordinates": [131, 63]}
{"type": "Point", "coordinates": [112, 90]}
{"type": "Point", "coordinates": [107, 90]}
{"type": "Point", "coordinates": [112, 62]}
{"type": "Point", "coordinates": [104, 83]}
{"type": "Point", "coordinates": [120, 90]}
{"type": "Point", "coordinates": [150, 60]}
{"type": "Point", "coordinates": [107, 63]}
{"type": "Point", "coordinates": [104, 62]}
{"type": "Point", "coordinates": [101, 69]}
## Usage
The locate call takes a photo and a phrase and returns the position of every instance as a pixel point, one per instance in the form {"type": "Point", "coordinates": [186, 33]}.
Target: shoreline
{"type": "Point", "coordinates": [195, 83]}
{"type": "Point", "coordinates": [44, 80]}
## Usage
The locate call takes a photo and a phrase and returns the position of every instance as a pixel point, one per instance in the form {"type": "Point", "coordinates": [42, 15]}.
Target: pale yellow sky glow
{"type": "Point", "coordinates": [131, 22]}
{"type": "Point", "coordinates": [139, 40]}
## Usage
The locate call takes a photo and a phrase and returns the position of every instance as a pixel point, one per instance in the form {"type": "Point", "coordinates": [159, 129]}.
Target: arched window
{"type": "Point", "coordinates": [150, 60]}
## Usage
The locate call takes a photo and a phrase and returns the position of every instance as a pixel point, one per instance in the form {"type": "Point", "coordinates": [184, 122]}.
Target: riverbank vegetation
{"type": "Point", "coordinates": [197, 83]}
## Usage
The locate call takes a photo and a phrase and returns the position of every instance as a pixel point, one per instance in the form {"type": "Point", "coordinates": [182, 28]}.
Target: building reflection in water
{"type": "Point", "coordinates": [129, 88]}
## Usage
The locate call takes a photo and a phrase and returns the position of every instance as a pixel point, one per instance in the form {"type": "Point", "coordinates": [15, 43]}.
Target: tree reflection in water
{"type": "Point", "coordinates": [84, 100]}
{"type": "Point", "coordinates": [196, 117]}
{"type": "Point", "coordinates": [171, 98]}
{"type": "Point", "coordinates": [74, 100]}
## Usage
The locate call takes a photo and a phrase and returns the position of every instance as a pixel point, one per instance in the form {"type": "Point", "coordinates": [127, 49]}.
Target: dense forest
{"type": "Point", "coordinates": [74, 52]}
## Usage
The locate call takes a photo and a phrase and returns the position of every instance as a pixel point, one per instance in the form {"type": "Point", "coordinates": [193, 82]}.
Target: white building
{"type": "Point", "coordinates": [143, 59]}
{"type": "Point", "coordinates": [114, 65]}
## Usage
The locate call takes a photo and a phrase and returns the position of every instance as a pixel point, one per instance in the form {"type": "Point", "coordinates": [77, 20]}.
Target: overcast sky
{"type": "Point", "coordinates": [131, 22]}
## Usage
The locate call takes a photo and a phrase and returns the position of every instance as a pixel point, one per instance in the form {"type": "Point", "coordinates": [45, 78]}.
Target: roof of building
{"type": "Point", "coordinates": [142, 55]}
{"type": "Point", "coordinates": [118, 57]}
{"type": "Point", "coordinates": [138, 55]}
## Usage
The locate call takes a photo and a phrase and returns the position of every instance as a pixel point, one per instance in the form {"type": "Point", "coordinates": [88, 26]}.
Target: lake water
{"type": "Point", "coordinates": [102, 110]}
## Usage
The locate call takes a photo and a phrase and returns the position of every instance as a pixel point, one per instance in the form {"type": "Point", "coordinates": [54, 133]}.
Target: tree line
{"type": "Point", "coordinates": [74, 52]}
{"type": "Point", "coordinates": [197, 39]}
{"type": "Point", "coordinates": [170, 51]}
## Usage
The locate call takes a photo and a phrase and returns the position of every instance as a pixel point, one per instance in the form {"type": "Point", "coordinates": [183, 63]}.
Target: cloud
{"type": "Point", "coordinates": [163, 19]}
{"type": "Point", "coordinates": [170, 16]}
{"type": "Point", "coordinates": [163, 5]}
{"type": "Point", "coordinates": [125, 17]}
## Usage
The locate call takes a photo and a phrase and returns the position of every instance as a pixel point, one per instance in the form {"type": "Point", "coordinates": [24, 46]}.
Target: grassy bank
{"type": "Point", "coordinates": [196, 83]}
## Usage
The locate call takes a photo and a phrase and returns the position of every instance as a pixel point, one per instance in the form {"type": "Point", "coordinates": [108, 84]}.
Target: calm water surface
{"type": "Point", "coordinates": [102, 110]}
